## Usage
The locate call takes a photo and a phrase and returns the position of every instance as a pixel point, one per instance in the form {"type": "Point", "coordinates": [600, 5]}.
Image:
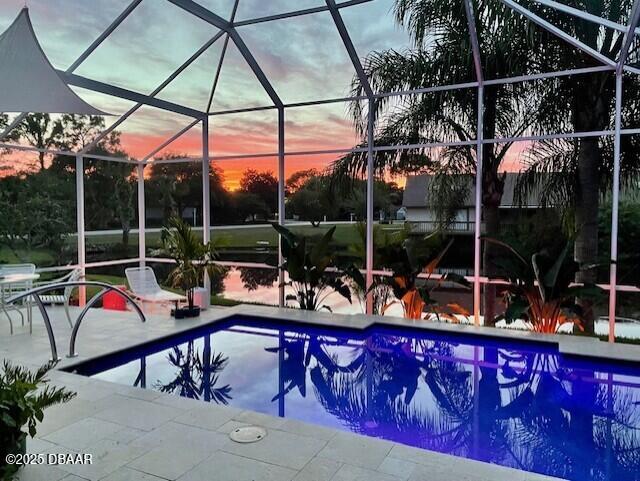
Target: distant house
{"type": "Point", "coordinates": [421, 214]}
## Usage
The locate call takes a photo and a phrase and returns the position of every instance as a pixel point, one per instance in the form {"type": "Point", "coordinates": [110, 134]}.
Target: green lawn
{"type": "Point", "coordinates": [246, 237]}
{"type": "Point", "coordinates": [40, 257]}
{"type": "Point", "coordinates": [228, 238]}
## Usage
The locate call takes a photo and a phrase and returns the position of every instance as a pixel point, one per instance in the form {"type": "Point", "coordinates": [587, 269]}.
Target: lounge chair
{"type": "Point", "coordinates": [65, 297]}
{"type": "Point", "coordinates": [144, 287]}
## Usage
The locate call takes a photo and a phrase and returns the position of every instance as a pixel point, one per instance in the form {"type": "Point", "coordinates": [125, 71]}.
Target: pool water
{"type": "Point", "coordinates": [521, 405]}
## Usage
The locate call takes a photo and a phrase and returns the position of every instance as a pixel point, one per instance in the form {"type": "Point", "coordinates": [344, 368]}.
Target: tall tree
{"type": "Point", "coordinates": [13, 135]}
{"type": "Point", "coordinates": [577, 173]}
{"type": "Point", "coordinates": [440, 54]}
{"type": "Point", "coordinates": [174, 187]}
{"type": "Point", "coordinates": [263, 184]}
{"type": "Point", "coordinates": [115, 177]}
{"type": "Point", "coordinates": [299, 178]}
{"type": "Point", "coordinates": [42, 132]}
{"type": "Point", "coordinates": [81, 130]}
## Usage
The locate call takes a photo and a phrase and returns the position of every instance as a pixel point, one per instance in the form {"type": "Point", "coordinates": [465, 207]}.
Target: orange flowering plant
{"type": "Point", "coordinates": [413, 263]}
{"type": "Point", "coordinates": [540, 292]}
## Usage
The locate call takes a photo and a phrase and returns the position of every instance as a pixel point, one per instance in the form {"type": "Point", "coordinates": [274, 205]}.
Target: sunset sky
{"type": "Point", "coordinates": [303, 58]}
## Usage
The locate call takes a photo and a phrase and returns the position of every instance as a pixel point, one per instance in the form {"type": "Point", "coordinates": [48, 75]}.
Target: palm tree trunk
{"type": "Point", "coordinates": [492, 191]}
{"type": "Point", "coordinates": [492, 229]}
{"type": "Point", "coordinates": [591, 100]}
{"type": "Point", "coordinates": [586, 221]}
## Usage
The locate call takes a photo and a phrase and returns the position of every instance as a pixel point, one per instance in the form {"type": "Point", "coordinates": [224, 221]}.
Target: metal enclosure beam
{"type": "Point", "coordinates": [370, 184]}
{"type": "Point", "coordinates": [477, 61]}
{"type": "Point", "coordinates": [82, 252]}
{"type": "Point", "coordinates": [296, 13]}
{"type": "Point", "coordinates": [155, 92]}
{"type": "Point", "coordinates": [206, 199]}
{"type": "Point", "coordinates": [96, 86]}
{"type": "Point", "coordinates": [437, 88]}
{"type": "Point", "coordinates": [142, 217]}
{"type": "Point", "coordinates": [615, 199]}
{"type": "Point", "coordinates": [475, 44]}
{"type": "Point", "coordinates": [170, 140]}
{"type": "Point", "coordinates": [104, 35]}
{"type": "Point", "coordinates": [216, 77]}
{"type": "Point", "coordinates": [219, 22]}
{"type": "Point", "coordinates": [561, 7]}
{"type": "Point", "coordinates": [629, 36]}
{"type": "Point", "coordinates": [364, 81]}
{"type": "Point", "coordinates": [348, 45]}
{"type": "Point", "coordinates": [281, 201]}
{"type": "Point", "coordinates": [559, 33]}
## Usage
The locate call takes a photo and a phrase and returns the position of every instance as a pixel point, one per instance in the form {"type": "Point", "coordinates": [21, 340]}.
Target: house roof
{"type": "Point", "coordinates": [417, 191]}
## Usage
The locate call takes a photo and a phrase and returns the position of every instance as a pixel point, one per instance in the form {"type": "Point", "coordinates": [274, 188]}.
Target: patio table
{"type": "Point", "coordinates": [6, 281]}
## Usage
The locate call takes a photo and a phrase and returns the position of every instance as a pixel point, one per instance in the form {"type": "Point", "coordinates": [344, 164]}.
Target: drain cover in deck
{"type": "Point", "coordinates": [248, 434]}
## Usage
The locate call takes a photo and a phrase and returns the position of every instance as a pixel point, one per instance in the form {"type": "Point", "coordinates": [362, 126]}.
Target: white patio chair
{"type": "Point", "coordinates": [144, 287]}
{"type": "Point", "coordinates": [65, 297]}
{"type": "Point", "coordinates": [16, 288]}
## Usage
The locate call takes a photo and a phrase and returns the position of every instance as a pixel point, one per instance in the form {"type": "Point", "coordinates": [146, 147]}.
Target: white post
{"type": "Point", "coordinates": [615, 198]}
{"type": "Point", "coordinates": [142, 246]}
{"type": "Point", "coordinates": [477, 252]}
{"type": "Point", "coordinates": [370, 181]}
{"type": "Point", "coordinates": [82, 256]}
{"type": "Point", "coordinates": [206, 199]}
{"type": "Point", "coordinates": [281, 205]}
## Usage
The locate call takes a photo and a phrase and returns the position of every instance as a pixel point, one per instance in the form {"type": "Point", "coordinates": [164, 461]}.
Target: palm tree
{"type": "Point", "coordinates": [193, 258]}
{"type": "Point", "coordinates": [578, 171]}
{"type": "Point", "coordinates": [197, 374]}
{"type": "Point", "coordinates": [440, 55]}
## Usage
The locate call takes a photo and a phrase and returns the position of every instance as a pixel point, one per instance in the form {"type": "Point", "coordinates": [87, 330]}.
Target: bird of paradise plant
{"type": "Point", "coordinates": [540, 292]}
{"type": "Point", "coordinates": [308, 266]}
{"type": "Point", "coordinates": [408, 261]}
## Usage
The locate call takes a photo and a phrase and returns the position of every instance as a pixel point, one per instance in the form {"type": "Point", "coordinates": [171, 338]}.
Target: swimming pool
{"type": "Point", "coordinates": [517, 404]}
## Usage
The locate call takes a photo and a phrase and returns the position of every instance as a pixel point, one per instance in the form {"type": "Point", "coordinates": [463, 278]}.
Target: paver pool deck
{"type": "Point", "coordinates": [140, 434]}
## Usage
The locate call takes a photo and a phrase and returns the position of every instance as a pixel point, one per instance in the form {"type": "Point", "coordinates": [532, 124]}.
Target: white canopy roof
{"type": "Point", "coordinates": [28, 81]}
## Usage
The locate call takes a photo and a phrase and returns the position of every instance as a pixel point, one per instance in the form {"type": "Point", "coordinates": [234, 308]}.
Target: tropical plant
{"type": "Point", "coordinates": [307, 264]}
{"type": "Point", "coordinates": [408, 261]}
{"type": "Point", "coordinates": [441, 54]}
{"type": "Point", "coordinates": [382, 238]}
{"type": "Point", "coordinates": [24, 395]}
{"type": "Point", "coordinates": [540, 291]}
{"type": "Point", "coordinates": [193, 258]}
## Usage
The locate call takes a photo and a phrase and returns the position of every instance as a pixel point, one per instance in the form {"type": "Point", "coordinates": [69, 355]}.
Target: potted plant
{"type": "Point", "coordinates": [308, 267]}
{"type": "Point", "coordinates": [24, 395]}
{"type": "Point", "coordinates": [193, 259]}
{"type": "Point", "coordinates": [540, 292]}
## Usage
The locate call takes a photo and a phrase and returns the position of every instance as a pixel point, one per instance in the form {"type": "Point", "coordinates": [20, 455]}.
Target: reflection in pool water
{"type": "Point", "coordinates": [518, 405]}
